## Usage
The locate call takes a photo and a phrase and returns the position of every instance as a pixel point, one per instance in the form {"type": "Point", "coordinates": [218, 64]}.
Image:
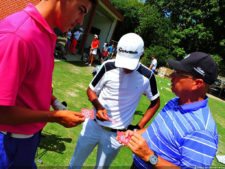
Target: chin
{"type": "Point", "coordinates": [127, 71]}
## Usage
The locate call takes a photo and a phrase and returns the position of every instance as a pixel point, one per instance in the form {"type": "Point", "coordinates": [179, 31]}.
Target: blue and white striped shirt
{"type": "Point", "coordinates": [184, 135]}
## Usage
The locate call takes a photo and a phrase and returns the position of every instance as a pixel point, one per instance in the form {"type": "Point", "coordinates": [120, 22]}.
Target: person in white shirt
{"type": "Point", "coordinates": [78, 33]}
{"type": "Point", "coordinates": [115, 92]}
{"type": "Point", "coordinates": [75, 38]}
{"type": "Point", "coordinates": [153, 64]}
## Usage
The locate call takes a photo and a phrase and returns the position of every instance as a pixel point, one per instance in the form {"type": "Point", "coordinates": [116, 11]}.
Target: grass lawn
{"type": "Point", "coordinates": [70, 82]}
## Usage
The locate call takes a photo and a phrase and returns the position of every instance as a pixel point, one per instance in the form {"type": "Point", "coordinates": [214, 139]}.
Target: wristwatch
{"type": "Point", "coordinates": [153, 159]}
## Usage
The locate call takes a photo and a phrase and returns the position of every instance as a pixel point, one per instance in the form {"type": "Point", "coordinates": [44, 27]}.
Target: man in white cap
{"type": "Point", "coordinates": [115, 92]}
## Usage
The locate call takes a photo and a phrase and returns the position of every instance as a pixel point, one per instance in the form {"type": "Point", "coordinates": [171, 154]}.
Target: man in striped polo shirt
{"type": "Point", "coordinates": [184, 133]}
{"type": "Point", "coordinates": [115, 92]}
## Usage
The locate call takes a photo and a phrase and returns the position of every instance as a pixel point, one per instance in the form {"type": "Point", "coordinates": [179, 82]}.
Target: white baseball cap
{"type": "Point", "coordinates": [129, 50]}
{"type": "Point", "coordinates": [96, 36]}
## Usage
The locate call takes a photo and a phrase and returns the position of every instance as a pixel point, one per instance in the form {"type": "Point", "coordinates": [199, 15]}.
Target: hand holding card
{"type": "Point", "coordinates": [122, 138]}
{"type": "Point", "coordinates": [88, 113]}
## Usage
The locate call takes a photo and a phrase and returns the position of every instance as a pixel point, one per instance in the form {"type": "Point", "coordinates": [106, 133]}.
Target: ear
{"type": "Point", "coordinates": [198, 84]}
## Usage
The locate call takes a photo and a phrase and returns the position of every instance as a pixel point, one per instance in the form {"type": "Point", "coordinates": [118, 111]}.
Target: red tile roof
{"type": "Point", "coordinates": [8, 7]}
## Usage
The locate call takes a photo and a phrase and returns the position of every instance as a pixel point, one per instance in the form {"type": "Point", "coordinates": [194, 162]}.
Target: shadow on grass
{"type": "Point", "coordinates": [81, 63]}
{"type": "Point", "coordinates": [52, 142]}
{"type": "Point", "coordinates": [77, 63]}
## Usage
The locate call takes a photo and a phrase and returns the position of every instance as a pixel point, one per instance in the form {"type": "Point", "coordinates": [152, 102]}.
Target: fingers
{"type": "Point", "coordinates": [69, 118]}
{"type": "Point", "coordinates": [118, 139]}
{"type": "Point", "coordinates": [78, 117]}
{"type": "Point", "coordinates": [78, 114]}
{"type": "Point", "coordinates": [72, 113]}
{"type": "Point", "coordinates": [102, 115]}
{"type": "Point", "coordinates": [129, 133]}
{"type": "Point", "coordinates": [136, 141]}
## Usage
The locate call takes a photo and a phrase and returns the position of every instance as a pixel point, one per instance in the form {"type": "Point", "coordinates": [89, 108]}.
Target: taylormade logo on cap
{"type": "Point", "coordinates": [129, 50]}
{"type": "Point", "coordinates": [199, 70]}
{"type": "Point", "coordinates": [125, 51]}
{"type": "Point", "coordinates": [187, 56]}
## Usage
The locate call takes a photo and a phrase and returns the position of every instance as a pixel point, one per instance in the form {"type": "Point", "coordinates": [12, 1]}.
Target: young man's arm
{"type": "Point", "coordinates": [101, 113]}
{"type": "Point", "coordinates": [153, 107]}
{"type": "Point", "coordinates": [14, 115]}
{"type": "Point", "coordinates": [93, 91]}
{"type": "Point", "coordinates": [152, 93]}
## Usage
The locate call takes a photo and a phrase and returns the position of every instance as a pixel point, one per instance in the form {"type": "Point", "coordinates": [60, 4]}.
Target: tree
{"type": "Point", "coordinates": [180, 27]}
{"type": "Point", "coordinates": [153, 27]}
{"type": "Point", "coordinates": [129, 8]}
{"type": "Point", "coordinates": [197, 26]}
{"type": "Point", "coordinates": [149, 23]}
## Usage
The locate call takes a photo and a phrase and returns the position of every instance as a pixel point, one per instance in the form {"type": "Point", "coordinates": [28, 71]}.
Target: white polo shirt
{"type": "Point", "coordinates": [120, 93]}
{"type": "Point", "coordinates": [154, 64]}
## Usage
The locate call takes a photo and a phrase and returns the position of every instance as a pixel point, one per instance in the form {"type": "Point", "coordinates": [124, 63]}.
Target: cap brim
{"type": "Point", "coordinates": [176, 65]}
{"type": "Point", "coordinates": [126, 62]}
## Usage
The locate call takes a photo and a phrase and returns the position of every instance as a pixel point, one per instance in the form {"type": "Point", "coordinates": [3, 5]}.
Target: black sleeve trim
{"type": "Point", "coordinates": [145, 71]}
{"type": "Point", "coordinates": [153, 85]}
{"type": "Point", "coordinates": [150, 75]}
{"type": "Point", "coordinates": [107, 66]}
{"type": "Point", "coordinates": [110, 65]}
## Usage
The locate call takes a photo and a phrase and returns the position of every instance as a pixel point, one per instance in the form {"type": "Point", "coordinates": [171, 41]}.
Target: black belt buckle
{"type": "Point", "coordinates": [112, 130]}
{"type": "Point", "coordinates": [115, 130]}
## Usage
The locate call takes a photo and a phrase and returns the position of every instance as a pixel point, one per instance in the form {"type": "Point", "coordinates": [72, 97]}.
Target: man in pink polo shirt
{"type": "Point", "coordinates": [27, 44]}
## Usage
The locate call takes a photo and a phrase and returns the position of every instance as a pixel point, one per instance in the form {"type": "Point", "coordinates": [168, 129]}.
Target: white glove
{"type": "Point", "coordinates": [57, 105]}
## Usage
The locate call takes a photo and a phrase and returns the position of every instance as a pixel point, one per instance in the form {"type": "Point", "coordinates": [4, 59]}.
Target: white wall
{"type": "Point", "coordinates": [105, 24]}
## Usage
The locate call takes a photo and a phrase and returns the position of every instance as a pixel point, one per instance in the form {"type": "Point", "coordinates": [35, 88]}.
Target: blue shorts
{"type": "Point", "coordinates": [18, 153]}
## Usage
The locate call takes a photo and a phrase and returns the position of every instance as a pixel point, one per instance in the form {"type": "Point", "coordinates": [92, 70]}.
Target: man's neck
{"type": "Point", "coordinates": [190, 99]}
{"type": "Point", "coordinates": [46, 9]}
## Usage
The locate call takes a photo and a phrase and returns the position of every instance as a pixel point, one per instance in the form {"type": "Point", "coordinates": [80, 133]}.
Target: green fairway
{"type": "Point", "coordinates": [70, 82]}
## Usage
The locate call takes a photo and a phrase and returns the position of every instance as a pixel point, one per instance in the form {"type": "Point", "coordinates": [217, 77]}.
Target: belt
{"type": "Point", "coordinates": [14, 135]}
{"type": "Point", "coordinates": [110, 129]}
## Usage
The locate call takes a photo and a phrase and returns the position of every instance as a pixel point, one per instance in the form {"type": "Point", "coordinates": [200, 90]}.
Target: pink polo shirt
{"type": "Point", "coordinates": [26, 65]}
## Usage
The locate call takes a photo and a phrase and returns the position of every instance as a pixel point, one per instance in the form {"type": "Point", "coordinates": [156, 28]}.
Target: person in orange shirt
{"type": "Point", "coordinates": [94, 48]}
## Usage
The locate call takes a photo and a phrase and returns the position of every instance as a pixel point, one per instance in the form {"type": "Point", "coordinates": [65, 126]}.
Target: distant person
{"type": "Point", "coordinates": [111, 50]}
{"type": "Point", "coordinates": [27, 43]}
{"type": "Point", "coordinates": [94, 49]}
{"type": "Point", "coordinates": [104, 53]}
{"type": "Point", "coordinates": [75, 38]}
{"type": "Point", "coordinates": [153, 64]}
{"type": "Point", "coordinates": [184, 133]}
{"type": "Point", "coordinates": [77, 34]}
{"type": "Point", "coordinates": [68, 41]}
{"type": "Point", "coordinates": [115, 92]}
